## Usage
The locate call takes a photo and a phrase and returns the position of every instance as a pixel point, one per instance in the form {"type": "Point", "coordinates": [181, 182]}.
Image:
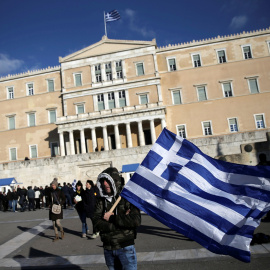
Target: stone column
{"type": "Point", "coordinates": [159, 93]}
{"type": "Point", "coordinates": [94, 138]}
{"type": "Point", "coordinates": [105, 138]}
{"type": "Point", "coordinates": [163, 123]}
{"type": "Point", "coordinates": [129, 138]}
{"type": "Point", "coordinates": [141, 134]}
{"type": "Point", "coordinates": [62, 144]}
{"type": "Point", "coordinates": [114, 77]}
{"type": "Point", "coordinates": [153, 132]}
{"type": "Point", "coordinates": [124, 70]}
{"type": "Point", "coordinates": [93, 74]}
{"type": "Point", "coordinates": [103, 73]}
{"type": "Point", "coordinates": [71, 143]}
{"type": "Point", "coordinates": [83, 148]}
{"type": "Point", "coordinates": [117, 137]}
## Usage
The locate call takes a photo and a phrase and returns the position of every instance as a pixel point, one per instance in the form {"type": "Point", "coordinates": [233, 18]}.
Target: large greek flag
{"type": "Point", "coordinates": [112, 16]}
{"type": "Point", "coordinates": [215, 203]}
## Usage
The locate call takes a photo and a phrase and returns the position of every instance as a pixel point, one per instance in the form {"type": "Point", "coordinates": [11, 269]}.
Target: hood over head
{"type": "Point", "coordinates": [113, 177]}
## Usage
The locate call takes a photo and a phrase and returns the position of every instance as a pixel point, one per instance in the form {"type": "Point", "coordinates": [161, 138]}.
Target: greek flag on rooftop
{"type": "Point", "coordinates": [112, 16]}
{"type": "Point", "coordinates": [215, 203]}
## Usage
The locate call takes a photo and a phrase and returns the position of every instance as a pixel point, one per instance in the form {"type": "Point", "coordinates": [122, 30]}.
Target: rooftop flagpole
{"type": "Point", "coordinates": [105, 25]}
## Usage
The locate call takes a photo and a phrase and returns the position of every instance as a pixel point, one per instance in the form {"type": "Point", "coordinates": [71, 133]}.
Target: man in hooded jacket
{"type": "Point", "coordinates": [117, 229]}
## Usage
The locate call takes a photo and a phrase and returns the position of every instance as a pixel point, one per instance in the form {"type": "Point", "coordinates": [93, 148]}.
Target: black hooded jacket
{"type": "Point", "coordinates": [120, 230]}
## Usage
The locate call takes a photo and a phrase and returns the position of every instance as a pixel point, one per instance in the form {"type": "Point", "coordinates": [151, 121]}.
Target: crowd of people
{"type": "Point", "coordinates": [112, 217]}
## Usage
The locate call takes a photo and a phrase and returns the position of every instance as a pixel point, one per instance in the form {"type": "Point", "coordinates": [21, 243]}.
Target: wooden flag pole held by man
{"type": "Point", "coordinates": [115, 204]}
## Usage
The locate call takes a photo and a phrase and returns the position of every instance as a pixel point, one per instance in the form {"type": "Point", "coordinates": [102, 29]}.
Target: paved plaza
{"type": "Point", "coordinates": [26, 243]}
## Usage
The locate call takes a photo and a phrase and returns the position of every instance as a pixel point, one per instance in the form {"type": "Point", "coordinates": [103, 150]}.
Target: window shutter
{"type": "Point", "coordinates": [12, 122]}
{"type": "Point", "coordinates": [140, 70]}
{"type": "Point", "coordinates": [143, 99]}
{"type": "Point", "coordinates": [13, 154]}
{"type": "Point", "coordinates": [221, 53]}
{"type": "Point", "coordinates": [32, 121]}
{"type": "Point", "coordinates": [80, 109]}
{"type": "Point", "coordinates": [52, 116]}
{"type": "Point", "coordinates": [232, 121]}
{"type": "Point", "coordinates": [51, 85]}
{"type": "Point", "coordinates": [78, 79]}
{"type": "Point", "coordinates": [201, 93]}
{"type": "Point", "coordinates": [33, 151]}
{"type": "Point", "coordinates": [176, 97]}
{"type": "Point", "coordinates": [253, 86]}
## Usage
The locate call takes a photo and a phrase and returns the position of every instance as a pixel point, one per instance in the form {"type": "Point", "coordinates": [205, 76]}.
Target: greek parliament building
{"type": "Point", "coordinates": [106, 104]}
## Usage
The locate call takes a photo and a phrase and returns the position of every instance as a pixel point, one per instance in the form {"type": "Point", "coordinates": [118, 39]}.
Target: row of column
{"type": "Point", "coordinates": [105, 137]}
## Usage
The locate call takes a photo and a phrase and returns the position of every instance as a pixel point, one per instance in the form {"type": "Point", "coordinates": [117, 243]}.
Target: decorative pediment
{"type": "Point", "coordinates": [107, 46]}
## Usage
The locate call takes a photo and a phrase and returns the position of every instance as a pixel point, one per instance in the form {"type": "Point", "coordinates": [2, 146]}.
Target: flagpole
{"type": "Point", "coordinates": [105, 25]}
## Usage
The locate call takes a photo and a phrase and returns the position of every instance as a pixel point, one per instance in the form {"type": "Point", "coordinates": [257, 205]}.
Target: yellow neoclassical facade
{"type": "Point", "coordinates": [120, 94]}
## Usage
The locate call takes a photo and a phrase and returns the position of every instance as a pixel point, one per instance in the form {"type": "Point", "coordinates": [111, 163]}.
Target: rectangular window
{"type": "Point", "coordinates": [122, 98]}
{"type": "Point", "coordinates": [140, 69]}
{"type": "Point", "coordinates": [119, 73]}
{"type": "Point", "coordinates": [10, 93]}
{"type": "Point", "coordinates": [221, 56]}
{"type": "Point", "coordinates": [253, 86]}
{"type": "Point", "coordinates": [33, 151]}
{"type": "Point", "coordinates": [51, 85]}
{"type": "Point", "coordinates": [108, 70]}
{"type": "Point", "coordinates": [181, 130]}
{"type": "Point", "coordinates": [98, 73]}
{"type": "Point", "coordinates": [176, 97]}
{"type": "Point", "coordinates": [233, 125]}
{"type": "Point", "coordinates": [111, 100]}
{"type": "Point", "coordinates": [11, 122]}
{"type": "Point", "coordinates": [196, 60]}
{"type": "Point", "coordinates": [207, 129]}
{"type": "Point", "coordinates": [201, 93]}
{"type": "Point", "coordinates": [30, 89]}
{"type": "Point", "coordinates": [227, 89]}
{"type": "Point", "coordinates": [143, 99]}
{"type": "Point", "coordinates": [31, 119]}
{"type": "Point", "coordinates": [80, 108]}
{"type": "Point", "coordinates": [78, 79]}
{"type": "Point", "coordinates": [101, 105]}
{"type": "Point", "coordinates": [54, 149]}
{"type": "Point", "coordinates": [172, 64]}
{"type": "Point", "coordinates": [247, 52]}
{"type": "Point", "coordinates": [52, 116]}
{"type": "Point", "coordinates": [259, 121]}
{"type": "Point", "coordinates": [13, 153]}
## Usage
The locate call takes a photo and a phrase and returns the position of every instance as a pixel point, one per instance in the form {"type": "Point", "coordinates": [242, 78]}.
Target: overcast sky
{"type": "Point", "coordinates": [34, 33]}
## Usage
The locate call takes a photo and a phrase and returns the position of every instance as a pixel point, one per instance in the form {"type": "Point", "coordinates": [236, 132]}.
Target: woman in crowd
{"type": "Point", "coordinates": [56, 197]}
{"type": "Point", "coordinates": [79, 205]}
{"type": "Point", "coordinates": [89, 204]}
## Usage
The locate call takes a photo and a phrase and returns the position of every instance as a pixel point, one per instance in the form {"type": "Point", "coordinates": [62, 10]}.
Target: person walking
{"type": "Point", "coordinates": [31, 198]}
{"type": "Point", "coordinates": [57, 196]}
{"type": "Point", "coordinates": [10, 199]}
{"type": "Point", "coordinates": [37, 197]}
{"type": "Point", "coordinates": [118, 228]}
{"type": "Point", "coordinates": [89, 205]}
{"type": "Point", "coordinates": [79, 205]}
{"type": "Point", "coordinates": [15, 200]}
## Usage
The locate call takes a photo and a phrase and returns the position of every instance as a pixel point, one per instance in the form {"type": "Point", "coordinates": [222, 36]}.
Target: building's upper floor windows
{"type": "Point", "coordinates": [30, 89]}
{"type": "Point", "coordinates": [11, 122]}
{"type": "Point", "coordinates": [143, 98]}
{"type": "Point", "coordinates": [12, 154]}
{"type": "Point", "coordinates": [176, 97]}
{"type": "Point", "coordinates": [31, 119]}
{"type": "Point", "coordinates": [79, 108]}
{"type": "Point", "coordinates": [140, 69]}
{"type": "Point", "coordinates": [101, 105]}
{"type": "Point", "coordinates": [119, 71]}
{"type": "Point", "coordinates": [111, 100]}
{"type": "Point", "coordinates": [50, 85]}
{"type": "Point", "coordinates": [207, 128]}
{"type": "Point", "coordinates": [247, 51]}
{"type": "Point", "coordinates": [233, 125]}
{"type": "Point", "coordinates": [171, 64]}
{"type": "Point", "coordinates": [221, 54]}
{"type": "Point", "coordinates": [253, 85]}
{"type": "Point", "coordinates": [122, 98]}
{"type": "Point", "coordinates": [201, 91]}
{"type": "Point", "coordinates": [227, 89]}
{"type": "Point", "coordinates": [10, 92]}
{"type": "Point", "coordinates": [98, 73]}
{"type": "Point", "coordinates": [196, 60]}
{"type": "Point", "coordinates": [108, 70]}
{"type": "Point", "coordinates": [181, 131]}
{"type": "Point", "coordinates": [52, 115]}
{"type": "Point", "coordinates": [33, 151]}
{"type": "Point", "coordinates": [78, 79]}
{"type": "Point", "coordinates": [259, 121]}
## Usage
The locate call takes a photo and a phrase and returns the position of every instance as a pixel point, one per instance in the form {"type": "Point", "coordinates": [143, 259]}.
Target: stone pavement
{"type": "Point", "coordinates": [26, 242]}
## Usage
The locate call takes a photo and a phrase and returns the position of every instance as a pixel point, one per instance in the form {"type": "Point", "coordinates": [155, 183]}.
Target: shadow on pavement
{"type": "Point", "coordinates": [57, 262]}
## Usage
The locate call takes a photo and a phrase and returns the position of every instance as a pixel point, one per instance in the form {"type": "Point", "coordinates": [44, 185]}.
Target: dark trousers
{"type": "Point", "coordinates": [31, 203]}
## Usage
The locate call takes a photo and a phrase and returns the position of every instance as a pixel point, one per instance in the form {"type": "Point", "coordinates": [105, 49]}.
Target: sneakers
{"type": "Point", "coordinates": [84, 235]}
{"type": "Point", "coordinates": [94, 235]}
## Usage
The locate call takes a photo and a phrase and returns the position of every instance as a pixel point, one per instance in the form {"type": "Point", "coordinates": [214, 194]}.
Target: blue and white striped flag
{"type": "Point", "coordinates": [74, 184]}
{"type": "Point", "coordinates": [112, 16]}
{"type": "Point", "coordinates": [215, 203]}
